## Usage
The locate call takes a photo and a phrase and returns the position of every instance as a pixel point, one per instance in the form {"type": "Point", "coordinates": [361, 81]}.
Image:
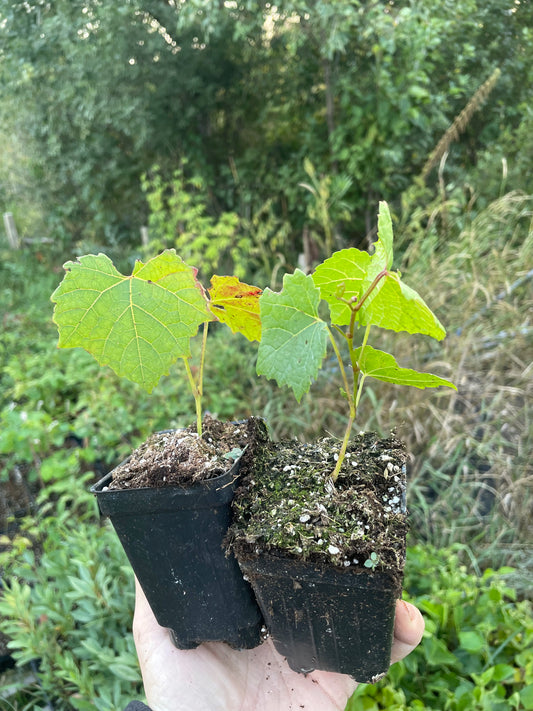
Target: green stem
{"type": "Point", "coordinates": [341, 366]}
{"type": "Point", "coordinates": [353, 399]}
{"type": "Point", "coordinates": [365, 338]}
{"type": "Point", "coordinates": [197, 386]}
{"type": "Point", "coordinates": [350, 394]}
{"type": "Point", "coordinates": [362, 379]}
{"type": "Point", "coordinates": [370, 289]}
{"type": "Point", "coordinates": [196, 394]}
{"type": "Point", "coordinates": [202, 361]}
{"type": "Point", "coordinates": [359, 391]}
{"type": "Point", "coordinates": [344, 445]}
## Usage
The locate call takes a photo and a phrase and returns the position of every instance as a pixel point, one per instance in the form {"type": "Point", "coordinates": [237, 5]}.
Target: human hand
{"type": "Point", "coordinates": [214, 677]}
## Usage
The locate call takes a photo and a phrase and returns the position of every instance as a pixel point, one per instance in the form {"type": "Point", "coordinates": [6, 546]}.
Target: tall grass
{"type": "Point", "coordinates": [471, 476]}
{"type": "Point", "coordinates": [480, 440]}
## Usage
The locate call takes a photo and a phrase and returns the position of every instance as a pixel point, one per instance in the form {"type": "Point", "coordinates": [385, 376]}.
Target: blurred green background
{"type": "Point", "coordinates": [255, 138]}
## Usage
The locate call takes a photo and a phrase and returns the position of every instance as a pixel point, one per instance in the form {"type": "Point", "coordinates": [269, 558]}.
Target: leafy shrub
{"type": "Point", "coordinates": [26, 436]}
{"type": "Point", "coordinates": [477, 650]}
{"type": "Point", "coordinates": [227, 243]}
{"type": "Point", "coordinates": [67, 603]}
{"type": "Point", "coordinates": [179, 218]}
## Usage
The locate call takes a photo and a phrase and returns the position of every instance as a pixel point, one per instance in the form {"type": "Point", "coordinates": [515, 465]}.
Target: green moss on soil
{"type": "Point", "coordinates": [289, 505]}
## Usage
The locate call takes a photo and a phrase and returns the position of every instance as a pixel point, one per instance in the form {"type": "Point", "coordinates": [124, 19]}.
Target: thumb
{"type": "Point", "coordinates": [408, 630]}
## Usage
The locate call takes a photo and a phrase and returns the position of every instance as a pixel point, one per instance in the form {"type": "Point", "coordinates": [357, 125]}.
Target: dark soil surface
{"type": "Point", "coordinates": [289, 506]}
{"type": "Point", "coordinates": [180, 456]}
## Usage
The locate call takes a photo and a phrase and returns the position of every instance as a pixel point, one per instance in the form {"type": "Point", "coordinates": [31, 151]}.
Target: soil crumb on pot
{"type": "Point", "coordinates": [289, 506]}
{"type": "Point", "coordinates": [177, 457]}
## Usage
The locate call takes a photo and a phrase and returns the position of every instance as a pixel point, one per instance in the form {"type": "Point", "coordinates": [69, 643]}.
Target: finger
{"type": "Point", "coordinates": [408, 630]}
{"type": "Point", "coordinates": [142, 607]}
{"type": "Point", "coordinates": [143, 618]}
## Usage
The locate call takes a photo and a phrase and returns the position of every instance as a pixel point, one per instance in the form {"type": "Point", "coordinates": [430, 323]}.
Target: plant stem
{"type": "Point", "coordinates": [362, 380]}
{"type": "Point", "coordinates": [370, 289]}
{"type": "Point", "coordinates": [350, 394]}
{"type": "Point", "coordinates": [196, 395]}
{"type": "Point", "coordinates": [201, 372]}
{"type": "Point", "coordinates": [353, 398]}
{"type": "Point", "coordinates": [197, 386]}
{"type": "Point", "coordinates": [341, 365]}
{"type": "Point", "coordinates": [358, 376]}
{"type": "Point", "coordinates": [344, 445]}
{"type": "Point", "coordinates": [365, 338]}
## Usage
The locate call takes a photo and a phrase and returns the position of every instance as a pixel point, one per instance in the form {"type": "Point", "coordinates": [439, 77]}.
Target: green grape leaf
{"type": "Point", "coordinates": [397, 307]}
{"type": "Point", "coordinates": [342, 276]}
{"type": "Point", "coordinates": [384, 254]}
{"type": "Point", "coordinates": [138, 325]}
{"type": "Point", "coordinates": [383, 366]}
{"type": "Point", "coordinates": [237, 305]}
{"type": "Point", "coordinates": [381, 259]}
{"type": "Point", "coordinates": [294, 338]}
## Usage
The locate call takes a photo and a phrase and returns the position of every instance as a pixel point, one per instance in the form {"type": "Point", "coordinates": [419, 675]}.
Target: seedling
{"type": "Point", "coordinates": [373, 561]}
{"type": "Point", "coordinates": [361, 291]}
{"type": "Point", "coordinates": [139, 325]}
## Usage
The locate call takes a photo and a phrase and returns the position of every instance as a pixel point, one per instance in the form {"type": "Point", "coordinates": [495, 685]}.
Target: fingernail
{"type": "Point", "coordinates": [411, 612]}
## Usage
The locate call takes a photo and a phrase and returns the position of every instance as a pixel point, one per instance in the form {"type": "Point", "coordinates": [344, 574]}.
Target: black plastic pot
{"type": "Point", "coordinates": [327, 619]}
{"type": "Point", "coordinates": [173, 539]}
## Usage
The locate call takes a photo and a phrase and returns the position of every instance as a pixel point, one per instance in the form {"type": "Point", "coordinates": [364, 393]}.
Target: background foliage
{"type": "Point", "coordinates": [95, 94]}
{"type": "Point", "coordinates": [257, 138]}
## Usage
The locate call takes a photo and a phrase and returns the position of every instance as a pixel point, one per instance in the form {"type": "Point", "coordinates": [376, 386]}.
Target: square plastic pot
{"type": "Point", "coordinates": [173, 538]}
{"type": "Point", "coordinates": [326, 619]}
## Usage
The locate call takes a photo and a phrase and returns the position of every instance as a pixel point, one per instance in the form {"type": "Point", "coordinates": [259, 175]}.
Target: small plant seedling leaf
{"type": "Point", "coordinates": [138, 325]}
{"type": "Point", "coordinates": [237, 305]}
{"type": "Point", "coordinates": [472, 641]}
{"type": "Point", "coordinates": [235, 453]}
{"type": "Point", "coordinates": [373, 561]}
{"type": "Point", "coordinates": [383, 366]}
{"type": "Point", "coordinates": [342, 275]}
{"type": "Point", "coordinates": [294, 338]}
{"type": "Point", "coordinates": [395, 306]}
{"type": "Point", "coordinates": [526, 697]}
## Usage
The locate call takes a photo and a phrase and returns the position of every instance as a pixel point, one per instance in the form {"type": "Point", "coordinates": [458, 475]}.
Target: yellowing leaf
{"type": "Point", "coordinates": [138, 325]}
{"type": "Point", "coordinates": [237, 305]}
